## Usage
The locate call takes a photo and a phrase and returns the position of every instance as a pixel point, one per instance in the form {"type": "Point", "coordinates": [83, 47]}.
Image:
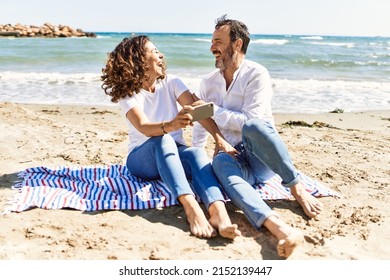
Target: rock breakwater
{"type": "Point", "coordinates": [45, 30]}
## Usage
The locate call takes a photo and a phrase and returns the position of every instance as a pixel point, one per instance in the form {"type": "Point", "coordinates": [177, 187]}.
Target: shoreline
{"type": "Point", "coordinates": [343, 120]}
{"type": "Point", "coordinates": [348, 152]}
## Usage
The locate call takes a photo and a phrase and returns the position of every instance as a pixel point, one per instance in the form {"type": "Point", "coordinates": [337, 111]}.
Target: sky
{"type": "Point", "coordinates": [282, 17]}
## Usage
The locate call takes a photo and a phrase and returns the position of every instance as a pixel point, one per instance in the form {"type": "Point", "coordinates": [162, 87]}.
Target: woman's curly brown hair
{"type": "Point", "coordinates": [125, 69]}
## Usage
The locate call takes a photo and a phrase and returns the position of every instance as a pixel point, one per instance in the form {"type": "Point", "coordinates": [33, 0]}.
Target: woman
{"type": "Point", "coordinates": [135, 77]}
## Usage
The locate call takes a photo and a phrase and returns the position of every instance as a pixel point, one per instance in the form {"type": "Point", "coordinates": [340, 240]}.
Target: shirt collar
{"type": "Point", "coordinates": [235, 74]}
{"type": "Point", "coordinates": [238, 69]}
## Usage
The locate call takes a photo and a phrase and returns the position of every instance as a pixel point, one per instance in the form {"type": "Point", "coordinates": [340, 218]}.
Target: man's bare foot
{"type": "Point", "coordinates": [199, 225]}
{"type": "Point", "coordinates": [287, 245]}
{"type": "Point", "coordinates": [289, 237]}
{"type": "Point", "coordinates": [230, 231]}
{"type": "Point", "coordinates": [220, 220]}
{"type": "Point", "coordinates": [311, 206]}
{"type": "Point", "coordinates": [226, 230]}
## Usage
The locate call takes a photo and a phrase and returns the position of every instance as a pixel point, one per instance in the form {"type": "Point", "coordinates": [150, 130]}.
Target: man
{"type": "Point", "coordinates": [241, 91]}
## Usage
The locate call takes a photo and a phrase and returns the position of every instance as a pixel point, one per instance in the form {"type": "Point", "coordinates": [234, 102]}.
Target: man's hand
{"type": "Point", "coordinates": [222, 146]}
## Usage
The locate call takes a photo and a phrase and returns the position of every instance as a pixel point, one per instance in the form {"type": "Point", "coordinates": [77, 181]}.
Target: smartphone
{"type": "Point", "coordinates": [202, 111]}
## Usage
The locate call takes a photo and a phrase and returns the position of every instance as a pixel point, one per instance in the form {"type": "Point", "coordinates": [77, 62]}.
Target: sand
{"type": "Point", "coordinates": [349, 152]}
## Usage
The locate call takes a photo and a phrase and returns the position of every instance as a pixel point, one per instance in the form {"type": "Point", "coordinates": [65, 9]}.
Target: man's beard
{"type": "Point", "coordinates": [226, 60]}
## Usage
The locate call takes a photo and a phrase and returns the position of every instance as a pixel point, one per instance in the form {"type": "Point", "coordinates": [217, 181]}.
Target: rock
{"type": "Point", "coordinates": [10, 33]}
{"type": "Point", "coordinates": [46, 30]}
{"type": "Point", "coordinates": [337, 111]}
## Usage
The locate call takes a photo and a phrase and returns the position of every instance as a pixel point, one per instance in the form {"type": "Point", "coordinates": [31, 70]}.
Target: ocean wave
{"type": "Point", "coordinates": [202, 40]}
{"type": "Point", "coordinates": [347, 45]}
{"type": "Point", "coordinates": [339, 63]}
{"type": "Point", "coordinates": [309, 96]}
{"type": "Point", "coordinates": [50, 78]}
{"type": "Point", "coordinates": [336, 84]}
{"type": "Point", "coordinates": [270, 41]}
{"type": "Point", "coordinates": [103, 36]}
{"type": "Point", "coordinates": [52, 88]}
{"type": "Point", "coordinates": [380, 44]}
{"type": "Point", "coordinates": [316, 96]}
{"type": "Point", "coordinates": [311, 38]}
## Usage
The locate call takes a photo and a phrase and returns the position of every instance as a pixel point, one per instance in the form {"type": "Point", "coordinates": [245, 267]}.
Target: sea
{"type": "Point", "coordinates": [310, 74]}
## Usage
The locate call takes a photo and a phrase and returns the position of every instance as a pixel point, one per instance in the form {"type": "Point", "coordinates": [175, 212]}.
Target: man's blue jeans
{"type": "Point", "coordinates": [160, 157]}
{"type": "Point", "coordinates": [262, 154]}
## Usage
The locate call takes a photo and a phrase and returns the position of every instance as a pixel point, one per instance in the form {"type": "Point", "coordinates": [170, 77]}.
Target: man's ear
{"type": "Point", "coordinates": [238, 44]}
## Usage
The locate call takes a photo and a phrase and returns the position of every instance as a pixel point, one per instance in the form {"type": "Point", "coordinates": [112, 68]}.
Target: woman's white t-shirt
{"type": "Point", "coordinates": [158, 106]}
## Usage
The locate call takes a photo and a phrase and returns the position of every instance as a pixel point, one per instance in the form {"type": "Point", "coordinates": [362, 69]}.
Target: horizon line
{"type": "Point", "coordinates": [254, 34]}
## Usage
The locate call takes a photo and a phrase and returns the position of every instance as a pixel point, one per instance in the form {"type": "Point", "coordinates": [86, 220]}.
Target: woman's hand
{"type": "Point", "coordinates": [182, 120]}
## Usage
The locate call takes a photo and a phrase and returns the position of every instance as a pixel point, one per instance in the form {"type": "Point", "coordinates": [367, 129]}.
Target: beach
{"type": "Point", "coordinates": [348, 152]}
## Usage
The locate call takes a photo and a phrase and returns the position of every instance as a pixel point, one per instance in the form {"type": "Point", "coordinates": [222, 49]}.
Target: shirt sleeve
{"type": "Point", "coordinates": [178, 86]}
{"type": "Point", "coordinates": [126, 104]}
{"type": "Point", "coordinates": [199, 133]}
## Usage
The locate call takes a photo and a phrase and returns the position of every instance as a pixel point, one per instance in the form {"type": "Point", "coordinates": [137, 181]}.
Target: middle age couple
{"type": "Point", "coordinates": [248, 150]}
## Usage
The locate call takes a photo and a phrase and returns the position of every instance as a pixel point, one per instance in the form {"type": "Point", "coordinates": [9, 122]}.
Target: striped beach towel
{"type": "Point", "coordinates": [112, 187]}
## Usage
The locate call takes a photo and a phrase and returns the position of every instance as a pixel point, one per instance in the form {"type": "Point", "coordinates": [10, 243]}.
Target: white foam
{"type": "Point", "coordinates": [312, 38]}
{"type": "Point", "coordinates": [59, 78]}
{"type": "Point", "coordinates": [270, 41]}
{"type": "Point", "coordinates": [310, 96]}
{"type": "Point", "coordinates": [52, 88]}
{"type": "Point", "coordinates": [316, 96]}
{"type": "Point", "coordinates": [202, 40]}
{"type": "Point", "coordinates": [347, 45]}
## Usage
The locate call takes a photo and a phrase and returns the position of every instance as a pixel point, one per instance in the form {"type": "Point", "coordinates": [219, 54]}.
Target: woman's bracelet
{"type": "Point", "coordinates": [162, 128]}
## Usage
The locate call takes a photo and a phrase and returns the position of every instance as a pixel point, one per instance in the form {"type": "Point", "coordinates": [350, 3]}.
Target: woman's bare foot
{"type": "Point", "coordinates": [289, 237]}
{"type": "Point", "coordinates": [220, 220]}
{"type": "Point", "coordinates": [311, 206]}
{"type": "Point", "coordinates": [199, 225]}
